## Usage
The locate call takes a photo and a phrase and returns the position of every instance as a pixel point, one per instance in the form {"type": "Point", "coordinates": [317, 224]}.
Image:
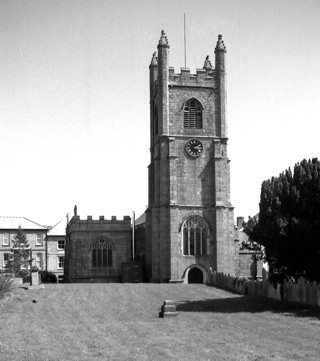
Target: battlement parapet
{"type": "Point", "coordinates": [101, 218]}
{"type": "Point", "coordinates": [83, 224]}
{"type": "Point", "coordinates": [202, 77]}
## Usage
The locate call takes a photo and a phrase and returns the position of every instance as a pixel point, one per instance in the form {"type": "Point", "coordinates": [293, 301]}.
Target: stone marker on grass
{"type": "Point", "coordinates": [35, 280]}
{"type": "Point", "coordinates": [168, 309]}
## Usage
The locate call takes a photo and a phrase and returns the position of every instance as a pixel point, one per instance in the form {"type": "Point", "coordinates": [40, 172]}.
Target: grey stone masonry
{"type": "Point", "coordinates": [86, 240]}
{"type": "Point", "coordinates": [168, 309]}
{"type": "Point", "coordinates": [182, 186]}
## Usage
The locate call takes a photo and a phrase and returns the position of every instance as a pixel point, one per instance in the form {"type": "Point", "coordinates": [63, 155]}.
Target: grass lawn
{"type": "Point", "coordinates": [121, 322]}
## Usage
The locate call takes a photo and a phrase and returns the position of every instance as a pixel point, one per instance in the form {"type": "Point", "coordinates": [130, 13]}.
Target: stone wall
{"type": "Point", "coordinates": [81, 235]}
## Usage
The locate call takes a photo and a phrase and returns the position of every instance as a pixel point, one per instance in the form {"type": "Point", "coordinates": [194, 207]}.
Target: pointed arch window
{"type": "Point", "coordinates": [195, 232]}
{"type": "Point", "coordinates": [101, 252]}
{"type": "Point", "coordinates": [192, 114]}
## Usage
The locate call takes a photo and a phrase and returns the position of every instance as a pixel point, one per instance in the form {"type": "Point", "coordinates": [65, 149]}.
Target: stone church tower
{"type": "Point", "coordinates": [189, 220]}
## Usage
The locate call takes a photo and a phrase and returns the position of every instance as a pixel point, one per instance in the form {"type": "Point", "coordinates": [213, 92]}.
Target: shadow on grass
{"type": "Point", "coordinates": [247, 304]}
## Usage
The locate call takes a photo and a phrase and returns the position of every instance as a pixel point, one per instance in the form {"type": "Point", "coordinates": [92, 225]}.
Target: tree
{"type": "Point", "coordinates": [289, 221]}
{"type": "Point", "coordinates": [250, 228]}
{"type": "Point", "coordinates": [20, 250]}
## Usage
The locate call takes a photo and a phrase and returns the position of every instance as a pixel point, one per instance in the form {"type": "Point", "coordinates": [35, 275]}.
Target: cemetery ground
{"type": "Point", "coordinates": [72, 322]}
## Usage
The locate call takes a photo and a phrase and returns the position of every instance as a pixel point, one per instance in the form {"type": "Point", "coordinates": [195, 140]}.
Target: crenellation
{"type": "Point", "coordinates": [201, 79]}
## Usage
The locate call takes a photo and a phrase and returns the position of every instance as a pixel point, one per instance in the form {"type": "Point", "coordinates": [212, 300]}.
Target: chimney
{"type": "Point", "coordinates": [240, 221]}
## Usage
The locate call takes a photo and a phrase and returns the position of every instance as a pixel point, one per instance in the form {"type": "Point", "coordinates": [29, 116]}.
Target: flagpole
{"type": "Point", "coordinates": [133, 226]}
{"type": "Point", "coordinates": [185, 41]}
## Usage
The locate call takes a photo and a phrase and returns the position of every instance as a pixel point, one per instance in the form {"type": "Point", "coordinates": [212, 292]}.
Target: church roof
{"type": "Point", "coordinates": [141, 219]}
{"type": "Point", "coordinates": [7, 222]}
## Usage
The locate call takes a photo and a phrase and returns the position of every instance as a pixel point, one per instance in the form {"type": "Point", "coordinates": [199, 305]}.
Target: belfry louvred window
{"type": "Point", "coordinates": [101, 253]}
{"type": "Point", "coordinates": [195, 236]}
{"type": "Point", "coordinates": [192, 114]}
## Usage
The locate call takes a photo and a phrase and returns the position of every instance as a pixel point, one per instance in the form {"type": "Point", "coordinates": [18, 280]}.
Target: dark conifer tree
{"type": "Point", "coordinates": [20, 253]}
{"type": "Point", "coordinates": [289, 221]}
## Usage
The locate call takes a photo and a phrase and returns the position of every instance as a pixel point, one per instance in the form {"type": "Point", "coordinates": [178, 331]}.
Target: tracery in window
{"type": "Point", "coordinates": [101, 253]}
{"type": "Point", "coordinates": [192, 114]}
{"type": "Point", "coordinates": [195, 236]}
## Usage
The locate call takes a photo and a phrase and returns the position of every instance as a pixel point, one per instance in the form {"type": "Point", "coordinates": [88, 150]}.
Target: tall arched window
{"type": "Point", "coordinates": [192, 114]}
{"type": "Point", "coordinates": [195, 236]}
{"type": "Point", "coordinates": [101, 250]}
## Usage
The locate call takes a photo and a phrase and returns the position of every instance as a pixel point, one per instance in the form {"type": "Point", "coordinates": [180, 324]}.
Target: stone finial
{"type": "Point", "coordinates": [163, 40]}
{"type": "Point", "coordinates": [220, 44]}
{"type": "Point", "coordinates": [75, 210]}
{"type": "Point", "coordinates": [207, 64]}
{"type": "Point", "coordinates": [154, 60]}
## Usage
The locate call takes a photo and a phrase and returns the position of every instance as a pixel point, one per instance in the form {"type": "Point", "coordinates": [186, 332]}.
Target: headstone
{"type": "Point", "coordinates": [35, 283]}
{"type": "Point", "coordinates": [34, 278]}
{"type": "Point", "coordinates": [168, 309]}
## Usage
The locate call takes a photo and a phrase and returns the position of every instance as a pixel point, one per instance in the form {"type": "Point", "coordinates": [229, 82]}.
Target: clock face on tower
{"type": "Point", "coordinates": [194, 147]}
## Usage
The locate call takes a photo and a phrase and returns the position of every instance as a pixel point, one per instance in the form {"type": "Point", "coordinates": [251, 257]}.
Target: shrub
{"type": "Point", "coordinates": [25, 274]}
{"type": "Point", "coordinates": [6, 281]}
{"type": "Point", "coordinates": [48, 277]}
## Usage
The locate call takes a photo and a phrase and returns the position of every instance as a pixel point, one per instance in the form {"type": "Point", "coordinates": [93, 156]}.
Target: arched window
{"type": "Point", "coordinates": [101, 253]}
{"type": "Point", "coordinates": [192, 114]}
{"type": "Point", "coordinates": [195, 236]}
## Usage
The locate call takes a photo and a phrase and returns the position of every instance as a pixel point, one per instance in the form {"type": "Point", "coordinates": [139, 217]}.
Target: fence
{"type": "Point", "coordinates": [302, 292]}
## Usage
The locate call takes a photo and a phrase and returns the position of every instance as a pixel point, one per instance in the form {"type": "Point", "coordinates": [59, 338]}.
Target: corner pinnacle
{"type": "Point", "coordinates": [207, 64]}
{"type": "Point", "coordinates": [163, 40]}
{"type": "Point", "coordinates": [154, 60]}
{"type": "Point", "coordinates": [220, 44]}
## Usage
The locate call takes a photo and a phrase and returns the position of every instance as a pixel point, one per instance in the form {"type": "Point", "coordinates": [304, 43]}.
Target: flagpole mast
{"type": "Point", "coordinates": [133, 226]}
{"type": "Point", "coordinates": [185, 42]}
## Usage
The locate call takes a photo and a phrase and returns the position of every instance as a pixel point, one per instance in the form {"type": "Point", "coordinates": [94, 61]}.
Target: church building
{"type": "Point", "coordinates": [190, 218]}
{"type": "Point", "coordinates": [97, 249]}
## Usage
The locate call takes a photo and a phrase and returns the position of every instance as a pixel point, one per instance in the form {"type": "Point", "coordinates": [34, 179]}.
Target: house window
{"type": "Point", "coordinates": [101, 253]}
{"type": "Point", "coordinates": [39, 260]}
{"type": "Point", "coordinates": [192, 114]}
{"type": "Point", "coordinates": [195, 236]}
{"type": "Point", "coordinates": [39, 239]}
{"type": "Point", "coordinates": [60, 262]}
{"type": "Point", "coordinates": [61, 244]}
{"type": "Point", "coordinates": [6, 257]}
{"type": "Point", "coordinates": [5, 239]}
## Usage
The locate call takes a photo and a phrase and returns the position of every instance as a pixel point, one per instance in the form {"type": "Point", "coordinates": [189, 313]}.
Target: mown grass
{"type": "Point", "coordinates": [70, 322]}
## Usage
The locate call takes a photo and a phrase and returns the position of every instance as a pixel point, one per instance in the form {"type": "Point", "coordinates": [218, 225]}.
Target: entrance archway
{"type": "Point", "coordinates": [195, 275]}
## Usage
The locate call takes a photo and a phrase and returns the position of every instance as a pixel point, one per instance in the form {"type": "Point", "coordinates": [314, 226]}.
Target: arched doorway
{"type": "Point", "coordinates": [195, 275]}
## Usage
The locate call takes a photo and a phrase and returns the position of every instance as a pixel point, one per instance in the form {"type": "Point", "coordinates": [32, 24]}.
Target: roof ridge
{"type": "Point", "coordinates": [33, 222]}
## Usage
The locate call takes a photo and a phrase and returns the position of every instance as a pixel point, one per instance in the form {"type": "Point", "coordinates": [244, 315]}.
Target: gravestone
{"type": "Point", "coordinates": [168, 309]}
{"type": "Point", "coordinates": [35, 280]}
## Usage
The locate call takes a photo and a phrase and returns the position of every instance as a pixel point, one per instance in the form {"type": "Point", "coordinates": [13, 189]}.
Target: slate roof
{"type": "Point", "coordinates": [59, 229]}
{"type": "Point", "coordinates": [141, 219]}
{"type": "Point", "coordinates": [7, 222]}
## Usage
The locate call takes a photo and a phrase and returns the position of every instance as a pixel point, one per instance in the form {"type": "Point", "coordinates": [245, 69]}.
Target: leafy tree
{"type": "Point", "coordinates": [289, 221]}
{"type": "Point", "coordinates": [20, 250]}
{"type": "Point", "coordinates": [250, 228]}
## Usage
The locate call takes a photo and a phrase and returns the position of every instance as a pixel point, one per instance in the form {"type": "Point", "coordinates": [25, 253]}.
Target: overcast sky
{"type": "Point", "coordinates": [74, 97]}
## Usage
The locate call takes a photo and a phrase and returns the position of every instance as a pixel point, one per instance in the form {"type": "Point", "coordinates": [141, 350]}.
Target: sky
{"type": "Point", "coordinates": [74, 97]}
